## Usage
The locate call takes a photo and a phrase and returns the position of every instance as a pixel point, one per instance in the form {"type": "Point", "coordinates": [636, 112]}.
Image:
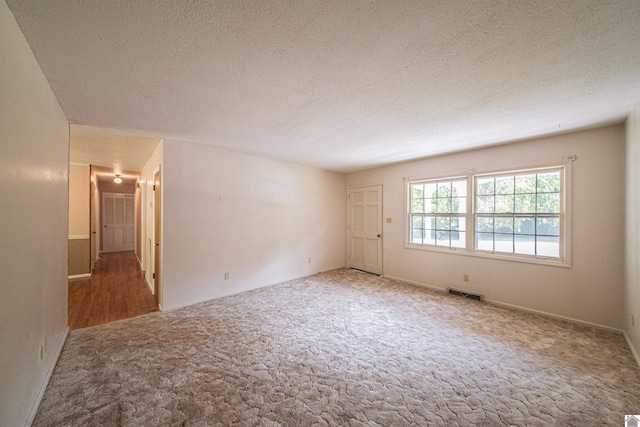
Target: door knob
{"type": "Point", "coordinates": [378, 236]}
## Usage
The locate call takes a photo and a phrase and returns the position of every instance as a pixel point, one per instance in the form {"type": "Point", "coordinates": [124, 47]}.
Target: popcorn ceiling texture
{"type": "Point", "coordinates": [342, 348]}
{"type": "Point", "coordinates": [342, 85]}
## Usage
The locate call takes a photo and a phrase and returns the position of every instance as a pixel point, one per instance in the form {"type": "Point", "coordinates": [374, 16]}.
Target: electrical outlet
{"type": "Point", "coordinates": [465, 277]}
{"type": "Point", "coordinates": [309, 260]}
{"type": "Point", "coordinates": [41, 351]}
{"type": "Point", "coordinates": [226, 276]}
{"type": "Point", "coordinates": [389, 220]}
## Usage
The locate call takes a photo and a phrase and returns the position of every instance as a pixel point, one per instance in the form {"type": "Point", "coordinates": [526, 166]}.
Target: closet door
{"type": "Point", "coordinates": [118, 222]}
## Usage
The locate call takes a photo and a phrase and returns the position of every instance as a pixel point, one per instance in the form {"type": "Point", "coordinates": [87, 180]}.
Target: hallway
{"type": "Point", "coordinates": [116, 290]}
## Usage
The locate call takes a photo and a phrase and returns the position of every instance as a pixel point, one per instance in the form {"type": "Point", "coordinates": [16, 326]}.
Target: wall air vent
{"type": "Point", "coordinates": [465, 294]}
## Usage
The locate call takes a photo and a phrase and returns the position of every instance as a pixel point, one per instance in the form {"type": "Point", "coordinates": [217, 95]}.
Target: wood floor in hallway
{"type": "Point", "coordinates": [116, 290]}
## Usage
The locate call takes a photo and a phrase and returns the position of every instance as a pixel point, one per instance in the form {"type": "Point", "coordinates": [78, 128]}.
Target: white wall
{"type": "Point", "coordinates": [146, 180]}
{"type": "Point", "coordinates": [589, 291]}
{"type": "Point", "coordinates": [260, 220]}
{"type": "Point", "coordinates": [34, 156]}
{"type": "Point", "coordinates": [632, 248]}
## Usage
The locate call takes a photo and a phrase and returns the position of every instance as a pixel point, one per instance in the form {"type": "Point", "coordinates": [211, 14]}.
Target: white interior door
{"type": "Point", "coordinates": [118, 222]}
{"type": "Point", "coordinates": [365, 228]}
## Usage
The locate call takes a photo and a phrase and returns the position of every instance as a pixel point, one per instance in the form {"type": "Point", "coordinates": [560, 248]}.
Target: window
{"type": "Point", "coordinates": [519, 213]}
{"type": "Point", "coordinates": [437, 213]}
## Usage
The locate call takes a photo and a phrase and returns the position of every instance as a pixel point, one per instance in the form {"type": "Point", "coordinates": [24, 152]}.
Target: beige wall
{"type": "Point", "coordinates": [34, 225]}
{"type": "Point", "coordinates": [79, 219]}
{"type": "Point", "coordinates": [112, 187]}
{"type": "Point", "coordinates": [589, 291]}
{"type": "Point", "coordinates": [632, 248]}
{"type": "Point", "coordinates": [79, 197]}
{"type": "Point", "coordinates": [260, 220]}
{"type": "Point", "coordinates": [79, 257]}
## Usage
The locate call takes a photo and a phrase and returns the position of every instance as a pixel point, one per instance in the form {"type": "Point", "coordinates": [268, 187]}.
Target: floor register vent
{"type": "Point", "coordinates": [465, 294]}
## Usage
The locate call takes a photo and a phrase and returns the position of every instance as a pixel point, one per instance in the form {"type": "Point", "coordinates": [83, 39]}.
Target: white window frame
{"type": "Point", "coordinates": [408, 210]}
{"type": "Point", "coordinates": [469, 250]}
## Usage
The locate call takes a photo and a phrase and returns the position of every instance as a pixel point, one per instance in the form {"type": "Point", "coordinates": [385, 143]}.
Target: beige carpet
{"type": "Point", "coordinates": [342, 348]}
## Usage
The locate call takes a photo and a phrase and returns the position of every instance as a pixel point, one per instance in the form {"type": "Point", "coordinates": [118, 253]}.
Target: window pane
{"type": "Point", "coordinates": [429, 205]}
{"type": "Point", "coordinates": [504, 204]}
{"type": "Point", "coordinates": [484, 224]}
{"type": "Point", "coordinates": [459, 205]}
{"type": "Point", "coordinates": [484, 204]}
{"type": "Point", "coordinates": [430, 190]}
{"type": "Point", "coordinates": [524, 225]}
{"type": "Point", "coordinates": [485, 186]}
{"type": "Point", "coordinates": [429, 237]}
{"type": "Point", "coordinates": [504, 185]}
{"type": "Point", "coordinates": [443, 222]}
{"type": "Point", "coordinates": [416, 235]}
{"type": "Point", "coordinates": [417, 191]}
{"type": "Point", "coordinates": [417, 206]}
{"type": "Point", "coordinates": [548, 246]}
{"type": "Point", "coordinates": [443, 205]}
{"type": "Point", "coordinates": [504, 224]}
{"type": "Point", "coordinates": [525, 203]}
{"type": "Point", "coordinates": [548, 202]}
{"type": "Point", "coordinates": [455, 223]}
{"type": "Point", "coordinates": [442, 238]}
{"type": "Point", "coordinates": [429, 222]}
{"type": "Point", "coordinates": [459, 188]}
{"type": "Point", "coordinates": [525, 245]}
{"type": "Point", "coordinates": [416, 221]}
{"type": "Point", "coordinates": [458, 239]}
{"type": "Point", "coordinates": [444, 189]}
{"type": "Point", "coordinates": [484, 241]}
{"type": "Point", "coordinates": [548, 226]}
{"type": "Point", "coordinates": [549, 182]}
{"type": "Point", "coordinates": [504, 243]}
{"type": "Point", "coordinates": [526, 183]}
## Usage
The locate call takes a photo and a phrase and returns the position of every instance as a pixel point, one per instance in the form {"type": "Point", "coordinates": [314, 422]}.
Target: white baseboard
{"type": "Point", "coordinates": [45, 383]}
{"type": "Point", "coordinates": [424, 285]}
{"type": "Point", "coordinates": [79, 276]}
{"type": "Point", "coordinates": [520, 308]}
{"type": "Point", "coordinates": [233, 292]}
{"type": "Point", "coordinates": [633, 349]}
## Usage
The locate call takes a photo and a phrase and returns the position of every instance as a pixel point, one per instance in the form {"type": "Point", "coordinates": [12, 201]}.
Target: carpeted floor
{"type": "Point", "coordinates": [342, 348]}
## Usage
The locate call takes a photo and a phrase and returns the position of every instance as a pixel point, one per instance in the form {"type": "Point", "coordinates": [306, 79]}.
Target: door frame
{"type": "Point", "coordinates": [349, 219]}
{"type": "Point", "coordinates": [157, 236]}
{"type": "Point", "coordinates": [94, 217]}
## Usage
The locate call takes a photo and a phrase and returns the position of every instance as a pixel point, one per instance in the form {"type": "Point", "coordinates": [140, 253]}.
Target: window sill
{"type": "Point", "coordinates": [492, 255]}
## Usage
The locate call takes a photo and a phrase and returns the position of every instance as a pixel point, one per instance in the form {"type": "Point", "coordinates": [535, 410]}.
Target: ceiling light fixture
{"type": "Point", "coordinates": [117, 179]}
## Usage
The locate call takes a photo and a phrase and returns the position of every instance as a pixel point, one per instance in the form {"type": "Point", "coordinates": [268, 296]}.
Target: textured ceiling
{"type": "Point", "coordinates": [117, 150]}
{"type": "Point", "coordinates": [342, 85]}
